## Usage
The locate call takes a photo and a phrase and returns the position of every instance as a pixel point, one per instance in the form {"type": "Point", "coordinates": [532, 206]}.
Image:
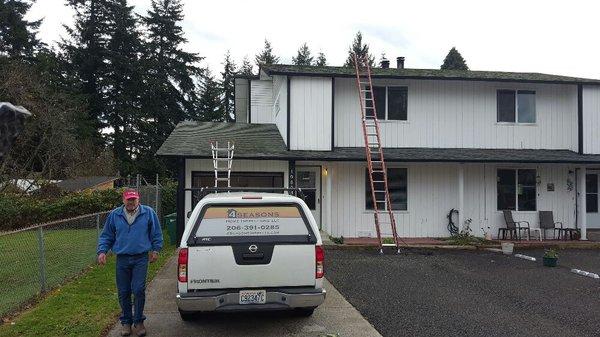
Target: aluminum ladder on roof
{"type": "Point", "coordinates": [377, 168]}
{"type": "Point", "coordinates": [222, 155]}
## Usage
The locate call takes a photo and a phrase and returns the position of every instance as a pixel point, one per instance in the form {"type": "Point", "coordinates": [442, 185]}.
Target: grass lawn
{"type": "Point", "coordinates": [85, 306]}
{"type": "Point", "coordinates": [67, 252]}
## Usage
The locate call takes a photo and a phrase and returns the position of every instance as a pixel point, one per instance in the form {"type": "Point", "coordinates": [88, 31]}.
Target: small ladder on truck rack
{"type": "Point", "coordinates": [220, 155]}
{"type": "Point", "coordinates": [382, 205]}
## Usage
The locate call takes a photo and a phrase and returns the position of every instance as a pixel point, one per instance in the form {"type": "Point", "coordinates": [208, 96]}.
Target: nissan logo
{"type": "Point", "coordinates": [253, 248]}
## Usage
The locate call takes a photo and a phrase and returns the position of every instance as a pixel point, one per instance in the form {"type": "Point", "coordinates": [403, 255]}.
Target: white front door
{"type": "Point", "coordinates": [592, 181]}
{"type": "Point", "coordinates": [310, 177]}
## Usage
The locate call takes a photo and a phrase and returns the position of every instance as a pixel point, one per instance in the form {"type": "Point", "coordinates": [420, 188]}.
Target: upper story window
{"type": "Point", "coordinates": [391, 103]}
{"type": "Point", "coordinates": [516, 106]}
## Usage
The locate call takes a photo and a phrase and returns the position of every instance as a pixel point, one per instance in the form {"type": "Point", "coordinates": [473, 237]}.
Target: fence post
{"type": "Point", "coordinates": [98, 225]}
{"type": "Point", "coordinates": [42, 259]}
{"type": "Point", "coordinates": [156, 197]}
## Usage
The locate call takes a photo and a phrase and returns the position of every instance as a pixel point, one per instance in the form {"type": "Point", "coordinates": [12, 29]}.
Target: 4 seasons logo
{"type": "Point", "coordinates": [233, 213]}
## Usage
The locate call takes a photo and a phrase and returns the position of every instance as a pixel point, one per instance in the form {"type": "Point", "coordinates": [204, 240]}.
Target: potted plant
{"type": "Point", "coordinates": [550, 258]}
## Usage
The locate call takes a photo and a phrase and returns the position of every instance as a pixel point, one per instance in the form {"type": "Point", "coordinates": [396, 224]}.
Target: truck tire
{"type": "Point", "coordinates": [304, 312]}
{"type": "Point", "coordinates": [186, 315]}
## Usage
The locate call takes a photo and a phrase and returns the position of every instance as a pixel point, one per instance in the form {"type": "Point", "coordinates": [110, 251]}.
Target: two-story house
{"type": "Point", "coordinates": [477, 141]}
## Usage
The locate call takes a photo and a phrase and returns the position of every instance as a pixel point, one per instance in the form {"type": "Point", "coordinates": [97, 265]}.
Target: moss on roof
{"type": "Point", "coordinates": [471, 75]}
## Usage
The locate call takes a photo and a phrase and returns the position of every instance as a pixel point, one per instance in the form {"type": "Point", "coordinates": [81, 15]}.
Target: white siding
{"type": "Point", "coordinates": [591, 119]}
{"type": "Point", "coordinates": [280, 104]}
{"type": "Point", "coordinates": [261, 98]}
{"type": "Point", "coordinates": [432, 192]}
{"type": "Point", "coordinates": [238, 165]}
{"type": "Point", "coordinates": [462, 114]}
{"type": "Point", "coordinates": [310, 113]}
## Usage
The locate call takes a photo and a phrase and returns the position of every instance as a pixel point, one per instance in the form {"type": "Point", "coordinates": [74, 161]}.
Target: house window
{"type": "Point", "coordinates": [591, 193]}
{"type": "Point", "coordinates": [516, 189]}
{"type": "Point", "coordinates": [397, 186]}
{"type": "Point", "coordinates": [516, 106]}
{"type": "Point", "coordinates": [391, 103]}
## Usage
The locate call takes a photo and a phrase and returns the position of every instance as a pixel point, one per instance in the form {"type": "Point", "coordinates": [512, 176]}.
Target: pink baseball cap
{"type": "Point", "coordinates": [131, 194]}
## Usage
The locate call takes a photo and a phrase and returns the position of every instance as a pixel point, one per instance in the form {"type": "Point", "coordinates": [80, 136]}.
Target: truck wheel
{"type": "Point", "coordinates": [186, 315]}
{"type": "Point", "coordinates": [305, 312]}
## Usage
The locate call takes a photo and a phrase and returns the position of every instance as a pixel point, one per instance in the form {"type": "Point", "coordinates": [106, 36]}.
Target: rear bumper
{"type": "Point", "coordinates": [229, 301]}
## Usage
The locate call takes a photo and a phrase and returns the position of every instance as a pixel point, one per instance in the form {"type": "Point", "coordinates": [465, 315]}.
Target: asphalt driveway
{"type": "Point", "coordinates": [335, 317]}
{"type": "Point", "coordinates": [467, 293]}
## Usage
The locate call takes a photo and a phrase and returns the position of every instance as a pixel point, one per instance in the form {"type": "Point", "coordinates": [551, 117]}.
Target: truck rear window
{"type": "Point", "coordinates": [226, 222]}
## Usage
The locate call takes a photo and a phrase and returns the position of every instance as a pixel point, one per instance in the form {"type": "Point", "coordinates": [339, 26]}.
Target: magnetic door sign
{"type": "Point", "coordinates": [251, 221]}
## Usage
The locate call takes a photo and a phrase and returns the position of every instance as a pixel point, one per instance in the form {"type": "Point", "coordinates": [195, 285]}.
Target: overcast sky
{"type": "Point", "coordinates": [554, 37]}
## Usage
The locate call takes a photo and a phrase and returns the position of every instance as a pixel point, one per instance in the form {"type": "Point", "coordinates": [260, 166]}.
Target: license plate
{"type": "Point", "coordinates": [253, 296]}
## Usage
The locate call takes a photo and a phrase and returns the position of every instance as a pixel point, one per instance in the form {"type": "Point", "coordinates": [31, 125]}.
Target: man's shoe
{"type": "Point", "coordinates": [125, 329]}
{"type": "Point", "coordinates": [140, 329]}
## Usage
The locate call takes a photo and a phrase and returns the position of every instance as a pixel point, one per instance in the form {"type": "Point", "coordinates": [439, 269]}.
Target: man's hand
{"type": "Point", "coordinates": [102, 259]}
{"type": "Point", "coordinates": [153, 256]}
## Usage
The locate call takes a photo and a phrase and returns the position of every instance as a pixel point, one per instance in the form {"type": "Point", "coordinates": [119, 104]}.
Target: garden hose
{"type": "Point", "coordinates": [452, 228]}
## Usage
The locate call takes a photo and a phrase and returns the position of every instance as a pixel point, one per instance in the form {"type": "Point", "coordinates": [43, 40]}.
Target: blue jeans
{"type": "Point", "coordinates": [131, 280]}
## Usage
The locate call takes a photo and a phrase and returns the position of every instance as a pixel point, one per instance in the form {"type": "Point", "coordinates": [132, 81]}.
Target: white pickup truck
{"type": "Point", "coordinates": [250, 251]}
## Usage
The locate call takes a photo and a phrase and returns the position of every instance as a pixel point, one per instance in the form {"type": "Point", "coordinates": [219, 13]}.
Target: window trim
{"type": "Point", "coordinates": [386, 118]}
{"type": "Point", "coordinates": [364, 194]}
{"type": "Point", "coordinates": [517, 169]}
{"type": "Point", "coordinates": [516, 121]}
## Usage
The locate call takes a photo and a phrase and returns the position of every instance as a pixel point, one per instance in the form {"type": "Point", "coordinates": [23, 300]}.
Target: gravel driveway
{"type": "Point", "coordinates": [452, 293]}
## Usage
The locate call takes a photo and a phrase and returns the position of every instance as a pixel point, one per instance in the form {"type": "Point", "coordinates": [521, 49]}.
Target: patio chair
{"type": "Point", "coordinates": [513, 226]}
{"type": "Point", "coordinates": [547, 222]}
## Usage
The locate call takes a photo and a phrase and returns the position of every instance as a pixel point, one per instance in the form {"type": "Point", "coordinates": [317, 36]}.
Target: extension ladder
{"type": "Point", "coordinates": [222, 155]}
{"type": "Point", "coordinates": [375, 162]}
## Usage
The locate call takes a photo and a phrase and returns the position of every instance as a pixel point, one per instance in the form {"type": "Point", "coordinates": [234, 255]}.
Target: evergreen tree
{"type": "Point", "coordinates": [246, 68]}
{"type": "Point", "coordinates": [362, 50]}
{"type": "Point", "coordinates": [123, 85]}
{"type": "Point", "coordinates": [17, 35]}
{"type": "Point", "coordinates": [321, 60]}
{"type": "Point", "coordinates": [227, 86]}
{"type": "Point", "coordinates": [454, 61]}
{"type": "Point", "coordinates": [209, 104]}
{"type": "Point", "coordinates": [84, 53]}
{"type": "Point", "coordinates": [266, 56]}
{"type": "Point", "coordinates": [303, 58]}
{"type": "Point", "coordinates": [169, 94]}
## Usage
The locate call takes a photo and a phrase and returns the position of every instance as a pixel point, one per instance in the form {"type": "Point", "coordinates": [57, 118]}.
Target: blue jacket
{"type": "Point", "coordinates": [142, 236]}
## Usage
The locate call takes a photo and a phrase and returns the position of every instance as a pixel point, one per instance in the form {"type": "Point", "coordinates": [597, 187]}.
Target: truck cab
{"type": "Point", "coordinates": [250, 251]}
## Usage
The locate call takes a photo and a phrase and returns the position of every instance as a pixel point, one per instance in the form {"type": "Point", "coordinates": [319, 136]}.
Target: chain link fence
{"type": "Point", "coordinates": [36, 259]}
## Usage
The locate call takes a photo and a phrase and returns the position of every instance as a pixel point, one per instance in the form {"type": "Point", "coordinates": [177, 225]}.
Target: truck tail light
{"type": "Point", "coordinates": [319, 259]}
{"type": "Point", "coordinates": [182, 263]}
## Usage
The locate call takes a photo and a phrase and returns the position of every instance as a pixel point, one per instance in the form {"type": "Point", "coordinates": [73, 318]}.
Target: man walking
{"type": "Point", "coordinates": [133, 233]}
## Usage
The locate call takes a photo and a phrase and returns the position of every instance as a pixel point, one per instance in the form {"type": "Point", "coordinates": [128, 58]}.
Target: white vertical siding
{"type": "Point", "coordinates": [310, 113]}
{"type": "Point", "coordinates": [261, 100]}
{"type": "Point", "coordinates": [280, 100]}
{"type": "Point", "coordinates": [462, 114]}
{"type": "Point", "coordinates": [591, 119]}
{"type": "Point", "coordinates": [432, 192]}
{"type": "Point", "coordinates": [238, 165]}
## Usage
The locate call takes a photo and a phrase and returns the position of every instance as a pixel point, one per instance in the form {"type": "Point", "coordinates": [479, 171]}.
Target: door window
{"type": "Point", "coordinates": [591, 189]}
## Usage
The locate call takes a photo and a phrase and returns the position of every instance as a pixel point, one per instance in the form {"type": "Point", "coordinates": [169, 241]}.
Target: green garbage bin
{"type": "Point", "coordinates": [171, 223]}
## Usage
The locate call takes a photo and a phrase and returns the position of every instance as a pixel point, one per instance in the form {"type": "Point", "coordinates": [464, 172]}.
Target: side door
{"type": "Point", "coordinates": [309, 177]}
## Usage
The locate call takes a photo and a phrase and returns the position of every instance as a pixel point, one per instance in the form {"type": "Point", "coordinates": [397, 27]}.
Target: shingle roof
{"type": "Point", "coordinates": [410, 73]}
{"type": "Point", "coordinates": [263, 141]}
{"type": "Point", "coordinates": [251, 140]}
{"type": "Point", "coordinates": [82, 183]}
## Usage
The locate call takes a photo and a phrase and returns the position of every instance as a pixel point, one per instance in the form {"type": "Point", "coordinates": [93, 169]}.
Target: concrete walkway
{"type": "Point", "coordinates": [335, 317]}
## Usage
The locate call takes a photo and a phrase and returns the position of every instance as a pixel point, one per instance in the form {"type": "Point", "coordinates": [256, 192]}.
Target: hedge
{"type": "Point", "coordinates": [20, 210]}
